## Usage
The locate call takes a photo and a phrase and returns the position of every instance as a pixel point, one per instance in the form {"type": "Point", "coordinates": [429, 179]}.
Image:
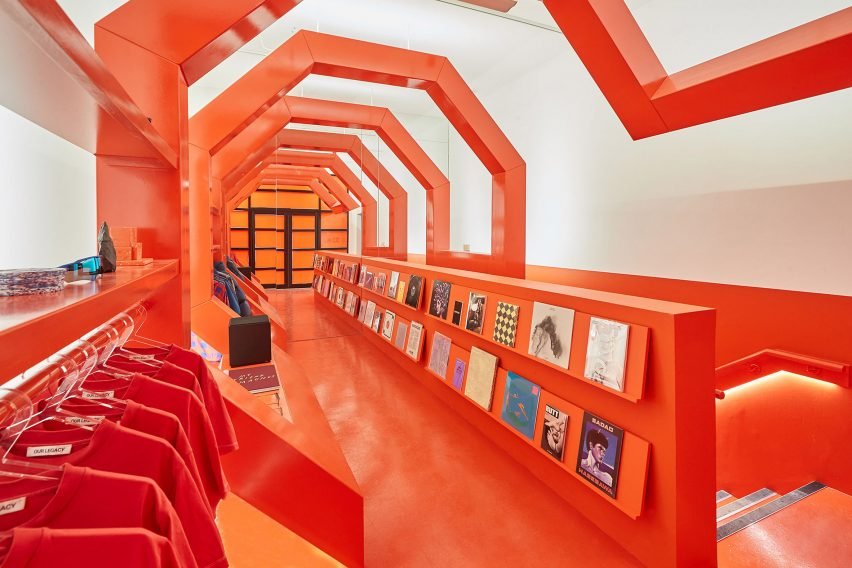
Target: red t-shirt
{"type": "Point", "coordinates": [151, 421]}
{"type": "Point", "coordinates": [193, 362]}
{"type": "Point", "coordinates": [185, 406]}
{"type": "Point", "coordinates": [83, 498]}
{"type": "Point", "coordinates": [90, 548]}
{"type": "Point", "coordinates": [120, 450]}
{"type": "Point", "coordinates": [163, 371]}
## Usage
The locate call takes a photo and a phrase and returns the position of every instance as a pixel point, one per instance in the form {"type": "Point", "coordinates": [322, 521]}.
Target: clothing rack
{"type": "Point", "coordinates": [37, 381]}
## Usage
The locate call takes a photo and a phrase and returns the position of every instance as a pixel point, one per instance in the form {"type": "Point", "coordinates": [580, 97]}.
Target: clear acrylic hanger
{"type": "Point", "coordinates": [71, 389]}
{"type": "Point", "coordinates": [140, 321]}
{"type": "Point", "coordinates": [125, 336]}
{"type": "Point", "coordinates": [12, 433]}
{"type": "Point", "coordinates": [19, 408]}
{"type": "Point", "coordinates": [113, 337]}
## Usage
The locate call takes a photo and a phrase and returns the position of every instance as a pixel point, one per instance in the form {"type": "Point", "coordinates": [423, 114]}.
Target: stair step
{"type": "Point", "coordinates": [734, 507]}
{"type": "Point", "coordinates": [721, 495]}
{"type": "Point", "coordinates": [748, 509]}
{"type": "Point", "coordinates": [766, 509]}
{"type": "Point", "coordinates": [725, 501]}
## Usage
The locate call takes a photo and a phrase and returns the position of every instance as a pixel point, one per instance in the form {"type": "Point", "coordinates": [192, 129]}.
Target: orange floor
{"type": "Point", "coordinates": [811, 533]}
{"type": "Point", "coordinates": [437, 493]}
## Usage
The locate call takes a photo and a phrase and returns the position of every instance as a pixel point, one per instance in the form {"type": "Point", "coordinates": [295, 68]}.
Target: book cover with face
{"type": "Point", "coordinates": [475, 313]}
{"type": "Point", "coordinates": [415, 292]}
{"type": "Point", "coordinates": [600, 453]}
{"type": "Point", "coordinates": [439, 304]}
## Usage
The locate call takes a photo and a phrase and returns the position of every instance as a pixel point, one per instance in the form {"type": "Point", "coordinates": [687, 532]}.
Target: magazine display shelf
{"type": "Point", "coordinates": [668, 402]}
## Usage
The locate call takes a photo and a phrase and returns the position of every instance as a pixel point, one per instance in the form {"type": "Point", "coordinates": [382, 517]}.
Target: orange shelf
{"type": "Point", "coordinates": [61, 84]}
{"type": "Point", "coordinates": [33, 327]}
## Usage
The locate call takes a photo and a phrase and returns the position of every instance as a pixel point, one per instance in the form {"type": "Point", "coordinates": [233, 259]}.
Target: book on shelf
{"type": "Point", "coordinates": [554, 429]}
{"type": "Point", "coordinates": [415, 292]}
{"type": "Point", "coordinates": [439, 356]}
{"type": "Point", "coordinates": [387, 327]}
{"type": "Point", "coordinates": [475, 312]}
{"type": "Point", "coordinates": [481, 373]}
{"type": "Point", "coordinates": [401, 335]}
{"type": "Point", "coordinates": [506, 324]}
{"type": "Point", "coordinates": [440, 301]}
{"type": "Point", "coordinates": [256, 378]}
{"type": "Point", "coordinates": [458, 374]}
{"type": "Point", "coordinates": [415, 341]}
{"type": "Point", "coordinates": [458, 307]}
{"type": "Point", "coordinates": [550, 334]}
{"type": "Point", "coordinates": [392, 285]}
{"type": "Point", "coordinates": [371, 311]}
{"type": "Point", "coordinates": [400, 291]}
{"type": "Point", "coordinates": [599, 458]}
{"type": "Point", "coordinates": [606, 353]}
{"type": "Point", "coordinates": [381, 278]}
{"type": "Point", "coordinates": [377, 321]}
{"type": "Point", "coordinates": [520, 404]}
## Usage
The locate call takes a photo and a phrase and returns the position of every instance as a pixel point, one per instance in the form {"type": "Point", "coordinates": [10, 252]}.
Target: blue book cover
{"type": "Point", "coordinates": [520, 404]}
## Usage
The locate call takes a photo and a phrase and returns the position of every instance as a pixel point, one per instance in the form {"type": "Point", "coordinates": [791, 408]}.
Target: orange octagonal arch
{"type": "Point", "coordinates": [309, 52]}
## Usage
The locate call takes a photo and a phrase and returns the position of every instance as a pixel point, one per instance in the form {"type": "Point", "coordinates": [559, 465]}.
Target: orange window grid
{"type": "Point", "coordinates": [266, 259]}
{"type": "Point", "coordinates": [239, 239]}
{"type": "Point", "coordinates": [302, 277]}
{"type": "Point", "coordinates": [267, 239]}
{"type": "Point", "coordinates": [334, 239]}
{"type": "Point", "coordinates": [335, 220]}
{"type": "Point", "coordinates": [304, 240]}
{"type": "Point", "coordinates": [303, 259]}
{"type": "Point", "coordinates": [304, 222]}
{"type": "Point", "coordinates": [239, 218]}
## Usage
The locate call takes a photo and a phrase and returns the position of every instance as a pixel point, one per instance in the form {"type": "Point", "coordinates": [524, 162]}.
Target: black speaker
{"type": "Point", "coordinates": [250, 340]}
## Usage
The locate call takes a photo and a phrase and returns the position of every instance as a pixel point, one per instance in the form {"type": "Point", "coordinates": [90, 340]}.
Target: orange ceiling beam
{"type": "Point", "coordinates": [250, 97]}
{"type": "Point", "coordinates": [806, 61]}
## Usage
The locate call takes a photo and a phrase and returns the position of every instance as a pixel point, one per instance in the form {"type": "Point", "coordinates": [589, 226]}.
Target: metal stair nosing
{"type": "Point", "coordinates": [768, 509]}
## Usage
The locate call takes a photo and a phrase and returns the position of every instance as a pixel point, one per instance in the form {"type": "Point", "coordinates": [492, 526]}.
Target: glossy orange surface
{"type": "Point", "coordinates": [436, 491]}
{"type": "Point", "coordinates": [59, 319]}
{"type": "Point", "coordinates": [806, 61]}
{"type": "Point", "coordinates": [294, 471]}
{"type": "Point", "coordinates": [811, 533]}
{"type": "Point", "coordinates": [253, 539]}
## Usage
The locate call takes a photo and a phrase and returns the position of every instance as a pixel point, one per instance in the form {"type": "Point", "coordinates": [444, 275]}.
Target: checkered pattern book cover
{"type": "Point", "coordinates": [506, 324]}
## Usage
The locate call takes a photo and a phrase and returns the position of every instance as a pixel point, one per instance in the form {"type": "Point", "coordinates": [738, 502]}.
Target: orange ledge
{"type": "Point", "coordinates": [59, 319]}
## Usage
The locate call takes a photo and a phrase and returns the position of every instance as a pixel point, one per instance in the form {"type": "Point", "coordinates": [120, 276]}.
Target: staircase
{"type": "Point", "coordinates": [809, 526]}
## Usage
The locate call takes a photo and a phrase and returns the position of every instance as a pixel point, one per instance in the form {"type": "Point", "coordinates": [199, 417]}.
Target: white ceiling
{"type": "Point", "coordinates": [684, 33]}
{"type": "Point", "coordinates": [486, 48]}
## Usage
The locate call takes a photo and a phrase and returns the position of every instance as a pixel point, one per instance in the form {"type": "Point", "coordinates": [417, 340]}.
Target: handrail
{"type": "Point", "coordinates": [768, 361]}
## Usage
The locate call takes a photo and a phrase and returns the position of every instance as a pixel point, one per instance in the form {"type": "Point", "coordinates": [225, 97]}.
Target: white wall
{"type": "Point", "coordinates": [762, 199]}
{"type": "Point", "coordinates": [48, 194]}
